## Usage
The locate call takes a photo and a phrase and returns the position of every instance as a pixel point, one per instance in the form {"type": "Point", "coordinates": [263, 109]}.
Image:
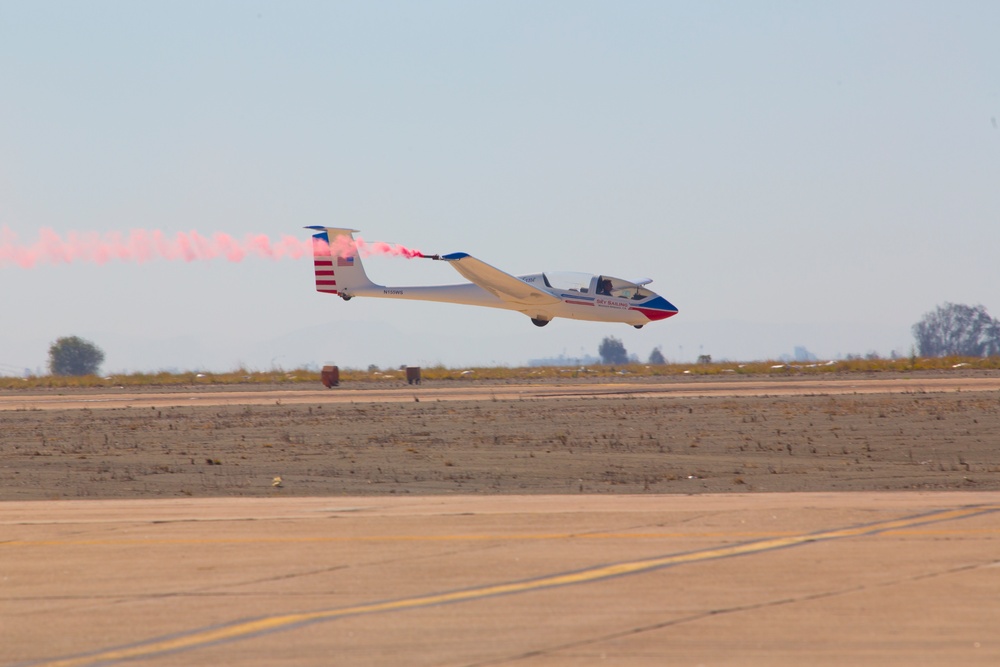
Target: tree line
{"type": "Point", "coordinates": [951, 329]}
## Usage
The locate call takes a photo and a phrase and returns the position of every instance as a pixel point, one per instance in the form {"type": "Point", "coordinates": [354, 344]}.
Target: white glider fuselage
{"type": "Point", "coordinates": [467, 294]}
{"type": "Point", "coordinates": [540, 296]}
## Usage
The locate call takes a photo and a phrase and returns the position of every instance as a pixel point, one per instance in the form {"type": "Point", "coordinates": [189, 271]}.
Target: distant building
{"type": "Point", "coordinates": [801, 354]}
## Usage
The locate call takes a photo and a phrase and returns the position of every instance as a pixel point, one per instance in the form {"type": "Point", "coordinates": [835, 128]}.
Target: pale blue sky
{"type": "Point", "coordinates": [788, 173]}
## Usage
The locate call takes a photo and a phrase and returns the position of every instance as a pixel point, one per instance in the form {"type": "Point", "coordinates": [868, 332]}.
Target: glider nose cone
{"type": "Point", "coordinates": [659, 309]}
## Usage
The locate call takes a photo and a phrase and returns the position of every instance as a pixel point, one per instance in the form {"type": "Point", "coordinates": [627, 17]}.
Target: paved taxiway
{"type": "Point", "coordinates": [770, 579]}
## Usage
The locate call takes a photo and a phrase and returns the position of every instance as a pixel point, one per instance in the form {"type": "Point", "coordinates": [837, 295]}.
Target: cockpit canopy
{"type": "Point", "coordinates": [587, 283]}
{"type": "Point", "coordinates": [569, 280]}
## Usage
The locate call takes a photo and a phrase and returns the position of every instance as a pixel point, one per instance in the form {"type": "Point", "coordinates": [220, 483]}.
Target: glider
{"type": "Point", "coordinates": [541, 296]}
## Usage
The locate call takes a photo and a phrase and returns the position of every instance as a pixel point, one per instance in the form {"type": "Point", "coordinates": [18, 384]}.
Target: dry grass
{"type": "Point", "coordinates": [298, 376]}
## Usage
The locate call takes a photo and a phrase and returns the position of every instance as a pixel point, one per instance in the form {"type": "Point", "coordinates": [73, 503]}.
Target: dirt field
{"type": "Point", "coordinates": [607, 441]}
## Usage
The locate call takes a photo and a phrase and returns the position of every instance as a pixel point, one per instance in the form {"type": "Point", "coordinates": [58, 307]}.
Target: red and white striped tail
{"type": "Point", "coordinates": [337, 263]}
{"type": "Point", "coordinates": [326, 278]}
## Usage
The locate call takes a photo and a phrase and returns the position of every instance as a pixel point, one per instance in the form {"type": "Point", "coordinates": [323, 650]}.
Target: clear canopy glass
{"type": "Point", "coordinates": [603, 286]}
{"type": "Point", "coordinates": [569, 280]}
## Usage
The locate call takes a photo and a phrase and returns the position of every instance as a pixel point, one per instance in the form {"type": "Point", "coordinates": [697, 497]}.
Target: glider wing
{"type": "Point", "coordinates": [503, 285]}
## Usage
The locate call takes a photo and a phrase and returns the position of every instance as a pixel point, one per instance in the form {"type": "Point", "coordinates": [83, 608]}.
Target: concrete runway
{"type": "Point", "coordinates": [769, 579]}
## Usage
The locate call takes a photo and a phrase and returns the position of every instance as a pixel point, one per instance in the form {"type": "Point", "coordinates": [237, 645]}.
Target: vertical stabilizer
{"type": "Point", "coordinates": [336, 262]}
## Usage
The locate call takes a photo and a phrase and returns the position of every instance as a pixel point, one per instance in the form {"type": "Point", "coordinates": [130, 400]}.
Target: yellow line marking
{"type": "Point", "coordinates": [245, 629]}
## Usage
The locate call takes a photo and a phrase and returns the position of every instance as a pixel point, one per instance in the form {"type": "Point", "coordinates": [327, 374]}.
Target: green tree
{"type": "Point", "coordinates": [656, 357]}
{"type": "Point", "coordinates": [74, 356]}
{"type": "Point", "coordinates": [612, 351]}
{"type": "Point", "coordinates": [959, 330]}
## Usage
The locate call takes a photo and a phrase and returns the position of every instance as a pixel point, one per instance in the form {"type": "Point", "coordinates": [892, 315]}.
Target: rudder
{"type": "Point", "coordinates": [336, 262]}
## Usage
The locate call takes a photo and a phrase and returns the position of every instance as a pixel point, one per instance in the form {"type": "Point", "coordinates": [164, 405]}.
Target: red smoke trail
{"type": "Point", "coordinates": [344, 246]}
{"type": "Point", "coordinates": [140, 245]}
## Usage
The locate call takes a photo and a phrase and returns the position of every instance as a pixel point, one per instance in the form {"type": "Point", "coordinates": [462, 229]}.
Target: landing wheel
{"type": "Point", "coordinates": [346, 297]}
{"type": "Point", "coordinates": [637, 326]}
{"type": "Point", "coordinates": [539, 322]}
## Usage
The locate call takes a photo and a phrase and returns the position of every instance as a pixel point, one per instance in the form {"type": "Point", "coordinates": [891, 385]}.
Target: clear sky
{"type": "Point", "coordinates": [788, 173]}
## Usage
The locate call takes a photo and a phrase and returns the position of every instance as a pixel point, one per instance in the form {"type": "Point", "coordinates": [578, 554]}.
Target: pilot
{"type": "Point", "coordinates": [604, 286]}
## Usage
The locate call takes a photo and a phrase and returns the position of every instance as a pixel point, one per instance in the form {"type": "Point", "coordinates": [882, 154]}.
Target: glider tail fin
{"type": "Point", "coordinates": [337, 263]}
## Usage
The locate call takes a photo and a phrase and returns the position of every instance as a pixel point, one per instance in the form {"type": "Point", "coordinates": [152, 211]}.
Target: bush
{"type": "Point", "coordinates": [955, 329]}
{"type": "Point", "coordinates": [74, 356]}
{"type": "Point", "coordinates": [612, 351]}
